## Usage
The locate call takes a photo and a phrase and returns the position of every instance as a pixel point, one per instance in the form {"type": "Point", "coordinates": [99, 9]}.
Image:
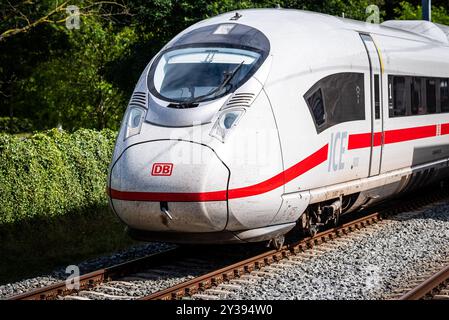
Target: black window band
{"type": "Point", "coordinates": [414, 96]}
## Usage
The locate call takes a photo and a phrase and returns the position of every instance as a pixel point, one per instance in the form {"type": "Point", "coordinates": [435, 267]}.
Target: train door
{"type": "Point", "coordinates": [376, 104]}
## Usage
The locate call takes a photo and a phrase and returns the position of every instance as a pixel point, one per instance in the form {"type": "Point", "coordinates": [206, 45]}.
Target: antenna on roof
{"type": "Point", "coordinates": [278, 6]}
{"type": "Point", "coordinates": [236, 16]}
{"type": "Point", "coordinates": [427, 10]}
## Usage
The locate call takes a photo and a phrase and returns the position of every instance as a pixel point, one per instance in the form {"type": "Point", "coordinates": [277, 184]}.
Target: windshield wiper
{"type": "Point", "coordinates": [228, 77]}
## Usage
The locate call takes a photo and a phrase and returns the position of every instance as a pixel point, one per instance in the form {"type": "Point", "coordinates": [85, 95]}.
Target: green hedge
{"type": "Point", "coordinates": [53, 173]}
{"type": "Point", "coordinates": [15, 125]}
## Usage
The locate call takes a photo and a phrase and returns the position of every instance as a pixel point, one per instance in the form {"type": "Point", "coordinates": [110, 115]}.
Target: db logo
{"type": "Point", "coordinates": [162, 169]}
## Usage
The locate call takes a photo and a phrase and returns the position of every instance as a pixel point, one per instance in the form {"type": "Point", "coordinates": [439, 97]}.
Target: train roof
{"type": "Point", "coordinates": [277, 21]}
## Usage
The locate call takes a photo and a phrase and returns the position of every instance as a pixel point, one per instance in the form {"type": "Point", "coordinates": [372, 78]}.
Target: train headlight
{"type": "Point", "coordinates": [225, 123]}
{"type": "Point", "coordinates": [134, 121]}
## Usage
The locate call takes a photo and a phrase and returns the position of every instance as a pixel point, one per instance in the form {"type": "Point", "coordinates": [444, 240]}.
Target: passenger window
{"type": "Point", "coordinates": [417, 106]}
{"type": "Point", "coordinates": [417, 95]}
{"type": "Point", "coordinates": [431, 96]}
{"type": "Point", "coordinates": [337, 98]}
{"type": "Point", "coordinates": [398, 96]}
{"type": "Point", "coordinates": [444, 95]}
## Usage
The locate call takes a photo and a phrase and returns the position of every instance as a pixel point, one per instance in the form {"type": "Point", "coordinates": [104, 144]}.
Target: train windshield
{"type": "Point", "coordinates": [189, 75]}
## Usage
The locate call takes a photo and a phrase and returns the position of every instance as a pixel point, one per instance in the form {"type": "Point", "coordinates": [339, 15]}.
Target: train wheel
{"type": "Point", "coordinates": [306, 225]}
{"type": "Point", "coordinates": [277, 243]}
{"type": "Point", "coordinates": [313, 230]}
{"type": "Point", "coordinates": [336, 220]}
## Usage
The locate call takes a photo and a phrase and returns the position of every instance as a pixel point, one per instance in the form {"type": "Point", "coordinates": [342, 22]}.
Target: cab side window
{"type": "Point", "coordinates": [336, 99]}
{"type": "Point", "coordinates": [316, 105]}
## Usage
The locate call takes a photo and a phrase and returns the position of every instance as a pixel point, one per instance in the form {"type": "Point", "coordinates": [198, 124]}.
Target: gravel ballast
{"type": "Point", "coordinates": [87, 266]}
{"type": "Point", "coordinates": [379, 261]}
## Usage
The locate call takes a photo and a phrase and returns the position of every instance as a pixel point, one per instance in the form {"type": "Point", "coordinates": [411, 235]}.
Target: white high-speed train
{"type": "Point", "coordinates": [252, 122]}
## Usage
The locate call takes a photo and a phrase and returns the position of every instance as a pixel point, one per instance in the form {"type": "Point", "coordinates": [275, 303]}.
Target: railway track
{"type": "Point", "coordinates": [435, 286]}
{"type": "Point", "coordinates": [152, 272]}
{"type": "Point", "coordinates": [94, 278]}
{"type": "Point", "coordinates": [238, 270]}
{"type": "Point", "coordinates": [210, 282]}
{"type": "Point", "coordinates": [219, 283]}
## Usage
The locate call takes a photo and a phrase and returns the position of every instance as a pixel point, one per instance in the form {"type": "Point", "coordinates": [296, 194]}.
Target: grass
{"type": "Point", "coordinates": [38, 246]}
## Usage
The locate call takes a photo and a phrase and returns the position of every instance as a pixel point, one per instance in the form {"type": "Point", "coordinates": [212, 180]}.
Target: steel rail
{"type": "Point", "coordinates": [428, 285]}
{"type": "Point", "coordinates": [92, 279]}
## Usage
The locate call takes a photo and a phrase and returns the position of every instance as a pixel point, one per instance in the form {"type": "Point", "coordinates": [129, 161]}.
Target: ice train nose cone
{"type": "Point", "coordinates": [186, 178]}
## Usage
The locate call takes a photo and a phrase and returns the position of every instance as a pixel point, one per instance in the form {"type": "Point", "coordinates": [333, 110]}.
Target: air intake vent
{"type": "Point", "coordinates": [139, 99]}
{"type": "Point", "coordinates": [240, 100]}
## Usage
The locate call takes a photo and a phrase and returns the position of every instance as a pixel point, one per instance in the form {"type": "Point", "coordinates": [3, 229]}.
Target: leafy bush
{"type": "Point", "coordinates": [15, 125]}
{"type": "Point", "coordinates": [53, 173]}
{"type": "Point", "coordinates": [407, 11]}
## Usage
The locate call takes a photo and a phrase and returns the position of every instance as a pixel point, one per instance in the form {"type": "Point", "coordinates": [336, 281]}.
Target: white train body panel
{"type": "Point", "coordinates": [314, 113]}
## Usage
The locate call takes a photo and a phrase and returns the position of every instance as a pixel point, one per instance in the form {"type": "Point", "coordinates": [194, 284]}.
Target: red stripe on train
{"type": "Point", "coordinates": [363, 140]}
{"type": "Point", "coordinates": [168, 196]}
{"type": "Point", "coordinates": [408, 134]}
{"type": "Point", "coordinates": [356, 141]}
{"type": "Point", "coordinates": [275, 182]}
{"type": "Point", "coordinates": [284, 177]}
{"type": "Point", "coordinates": [445, 128]}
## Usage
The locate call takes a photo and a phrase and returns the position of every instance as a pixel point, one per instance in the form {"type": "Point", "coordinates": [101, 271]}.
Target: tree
{"type": "Point", "coordinates": [407, 11]}
{"type": "Point", "coordinates": [30, 34]}
{"type": "Point", "coordinates": [74, 90]}
{"type": "Point", "coordinates": [23, 16]}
